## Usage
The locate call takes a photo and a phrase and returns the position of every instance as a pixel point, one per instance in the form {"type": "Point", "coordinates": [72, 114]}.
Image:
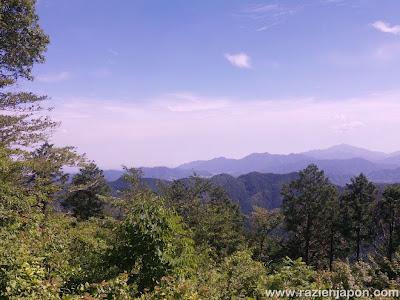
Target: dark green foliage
{"type": "Point", "coordinates": [308, 206]}
{"type": "Point", "coordinates": [22, 43]}
{"type": "Point", "coordinates": [15, 200]}
{"type": "Point", "coordinates": [220, 226]}
{"type": "Point", "coordinates": [151, 239]}
{"type": "Point", "coordinates": [151, 243]}
{"type": "Point", "coordinates": [216, 222]}
{"type": "Point", "coordinates": [237, 276]}
{"type": "Point", "coordinates": [266, 234]}
{"type": "Point", "coordinates": [254, 189]}
{"type": "Point", "coordinates": [45, 177]}
{"type": "Point", "coordinates": [292, 274]}
{"type": "Point", "coordinates": [388, 212]}
{"type": "Point", "coordinates": [86, 189]}
{"type": "Point", "coordinates": [358, 201]}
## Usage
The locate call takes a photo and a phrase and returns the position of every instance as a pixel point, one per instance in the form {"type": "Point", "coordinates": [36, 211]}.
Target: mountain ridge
{"type": "Point", "coordinates": [340, 162]}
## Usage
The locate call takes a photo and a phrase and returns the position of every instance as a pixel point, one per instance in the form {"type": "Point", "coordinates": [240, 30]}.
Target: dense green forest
{"type": "Point", "coordinates": [70, 237]}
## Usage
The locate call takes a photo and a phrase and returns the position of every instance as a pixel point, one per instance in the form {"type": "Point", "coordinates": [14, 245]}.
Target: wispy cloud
{"type": "Point", "coordinates": [101, 73]}
{"type": "Point", "coordinates": [240, 60]}
{"type": "Point", "coordinates": [266, 27]}
{"type": "Point", "coordinates": [188, 102]}
{"type": "Point", "coordinates": [262, 8]}
{"type": "Point", "coordinates": [54, 77]}
{"type": "Point", "coordinates": [113, 52]}
{"type": "Point", "coordinates": [267, 11]}
{"type": "Point", "coordinates": [334, 2]}
{"type": "Point", "coordinates": [345, 124]}
{"type": "Point", "coordinates": [264, 16]}
{"type": "Point", "coordinates": [386, 27]}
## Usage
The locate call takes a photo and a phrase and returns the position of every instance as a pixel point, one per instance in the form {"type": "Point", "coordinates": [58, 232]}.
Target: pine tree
{"type": "Point", "coordinates": [24, 128]}
{"type": "Point", "coordinates": [22, 44]}
{"type": "Point", "coordinates": [215, 220]}
{"type": "Point", "coordinates": [389, 219]}
{"type": "Point", "coordinates": [308, 205]}
{"type": "Point", "coordinates": [86, 189]}
{"type": "Point", "coordinates": [358, 201]}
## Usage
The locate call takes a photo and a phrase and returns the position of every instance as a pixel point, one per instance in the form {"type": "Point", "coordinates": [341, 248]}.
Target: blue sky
{"type": "Point", "coordinates": [164, 82]}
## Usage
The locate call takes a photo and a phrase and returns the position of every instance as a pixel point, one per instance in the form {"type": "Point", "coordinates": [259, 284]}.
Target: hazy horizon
{"type": "Point", "coordinates": [152, 83]}
{"type": "Point", "coordinates": [120, 167]}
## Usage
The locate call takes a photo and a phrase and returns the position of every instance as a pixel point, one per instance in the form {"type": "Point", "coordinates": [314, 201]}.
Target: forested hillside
{"type": "Point", "coordinates": [253, 189]}
{"type": "Point", "coordinates": [68, 236]}
{"type": "Point", "coordinates": [248, 191]}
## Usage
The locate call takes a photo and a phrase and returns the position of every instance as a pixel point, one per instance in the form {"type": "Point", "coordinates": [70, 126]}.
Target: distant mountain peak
{"type": "Point", "coordinates": [346, 151]}
{"type": "Point", "coordinates": [342, 147]}
{"type": "Point", "coordinates": [346, 147]}
{"type": "Point", "coordinates": [257, 154]}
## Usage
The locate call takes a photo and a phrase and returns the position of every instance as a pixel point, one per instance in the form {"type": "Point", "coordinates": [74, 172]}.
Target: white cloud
{"type": "Point", "coordinates": [386, 27]}
{"type": "Point", "coordinates": [266, 27]}
{"type": "Point", "coordinates": [262, 8]}
{"type": "Point", "coordinates": [113, 52]}
{"type": "Point", "coordinates": [345, 124]}
{"type": "Point", "coordinates": [268, 11]}
{"type": "Point", "coordinates": [240, 60]}
{"type": "Point", "coordinates": [179, 127]}
{"type": "Point", "coordinates": [55, 77]}
{"type": "Point", "coordinates": [337, 2]}
{"type": "Point", "coordinates": [264, 16]}
{"type": "Point", "coordinates": [188, 102]}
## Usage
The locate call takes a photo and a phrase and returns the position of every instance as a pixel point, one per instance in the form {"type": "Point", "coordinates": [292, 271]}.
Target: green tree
{"type": "Point", "coordinates": [15, 199]}
{"type": "Point", "coordinates": [389, 219]}
{"type": "Point", "coordinates": [22, 41]}
{"type": "Point", "coordinates": [151, 239]}
{"type": "Point", "coordinates": [215, 220]}
{"type": "Point", "coordinates": [31, 181]}
{"type": "Point", "coordinates": [86, 190]}
{"type": "Point", "coordinates": [237, 276]}
{"type": "Point", "coordinates": [34, 248]}
{"type": "Point", "coordinates": [293, 274]}
{"type": "Point", "coordinates": [336, 244]}
{"type": "Point", "coordinates": [220, 225]}
{"type": "Point", "coordinates": [23, 124]}
{"type": "Point", "coordinates": [358, 202]}
{"type": "Point", "coordinates": [305, 203]}
{"type": "Point", "coordinates": [45, 176]}
{"type": "Point", "coordinates": [264, 233]}
{"type": "Point", "coordinates": [152, 242]}
{"type": "Point", "coordinates": [22, 44]}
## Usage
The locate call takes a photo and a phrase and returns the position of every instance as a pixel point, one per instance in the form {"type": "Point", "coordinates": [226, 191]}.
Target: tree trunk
{"type": "Point", "coordinates": [331, 249]}
{"type": "Point", "coordinates": [307, 238]}
{"type": "Point", "coordinates": [261, 246]}
{"type": "Point", "coordinates": [390, 246]}
{"type": "Point", "coordinates": [358, 243]}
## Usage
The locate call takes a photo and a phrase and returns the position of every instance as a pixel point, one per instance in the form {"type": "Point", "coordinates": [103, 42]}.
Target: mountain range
{"type": "Point", "coordinates": [339, 162]}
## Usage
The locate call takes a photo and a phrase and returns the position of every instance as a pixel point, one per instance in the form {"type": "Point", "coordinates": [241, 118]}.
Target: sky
{"type": "Point", "coordinates": [147, 83]}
